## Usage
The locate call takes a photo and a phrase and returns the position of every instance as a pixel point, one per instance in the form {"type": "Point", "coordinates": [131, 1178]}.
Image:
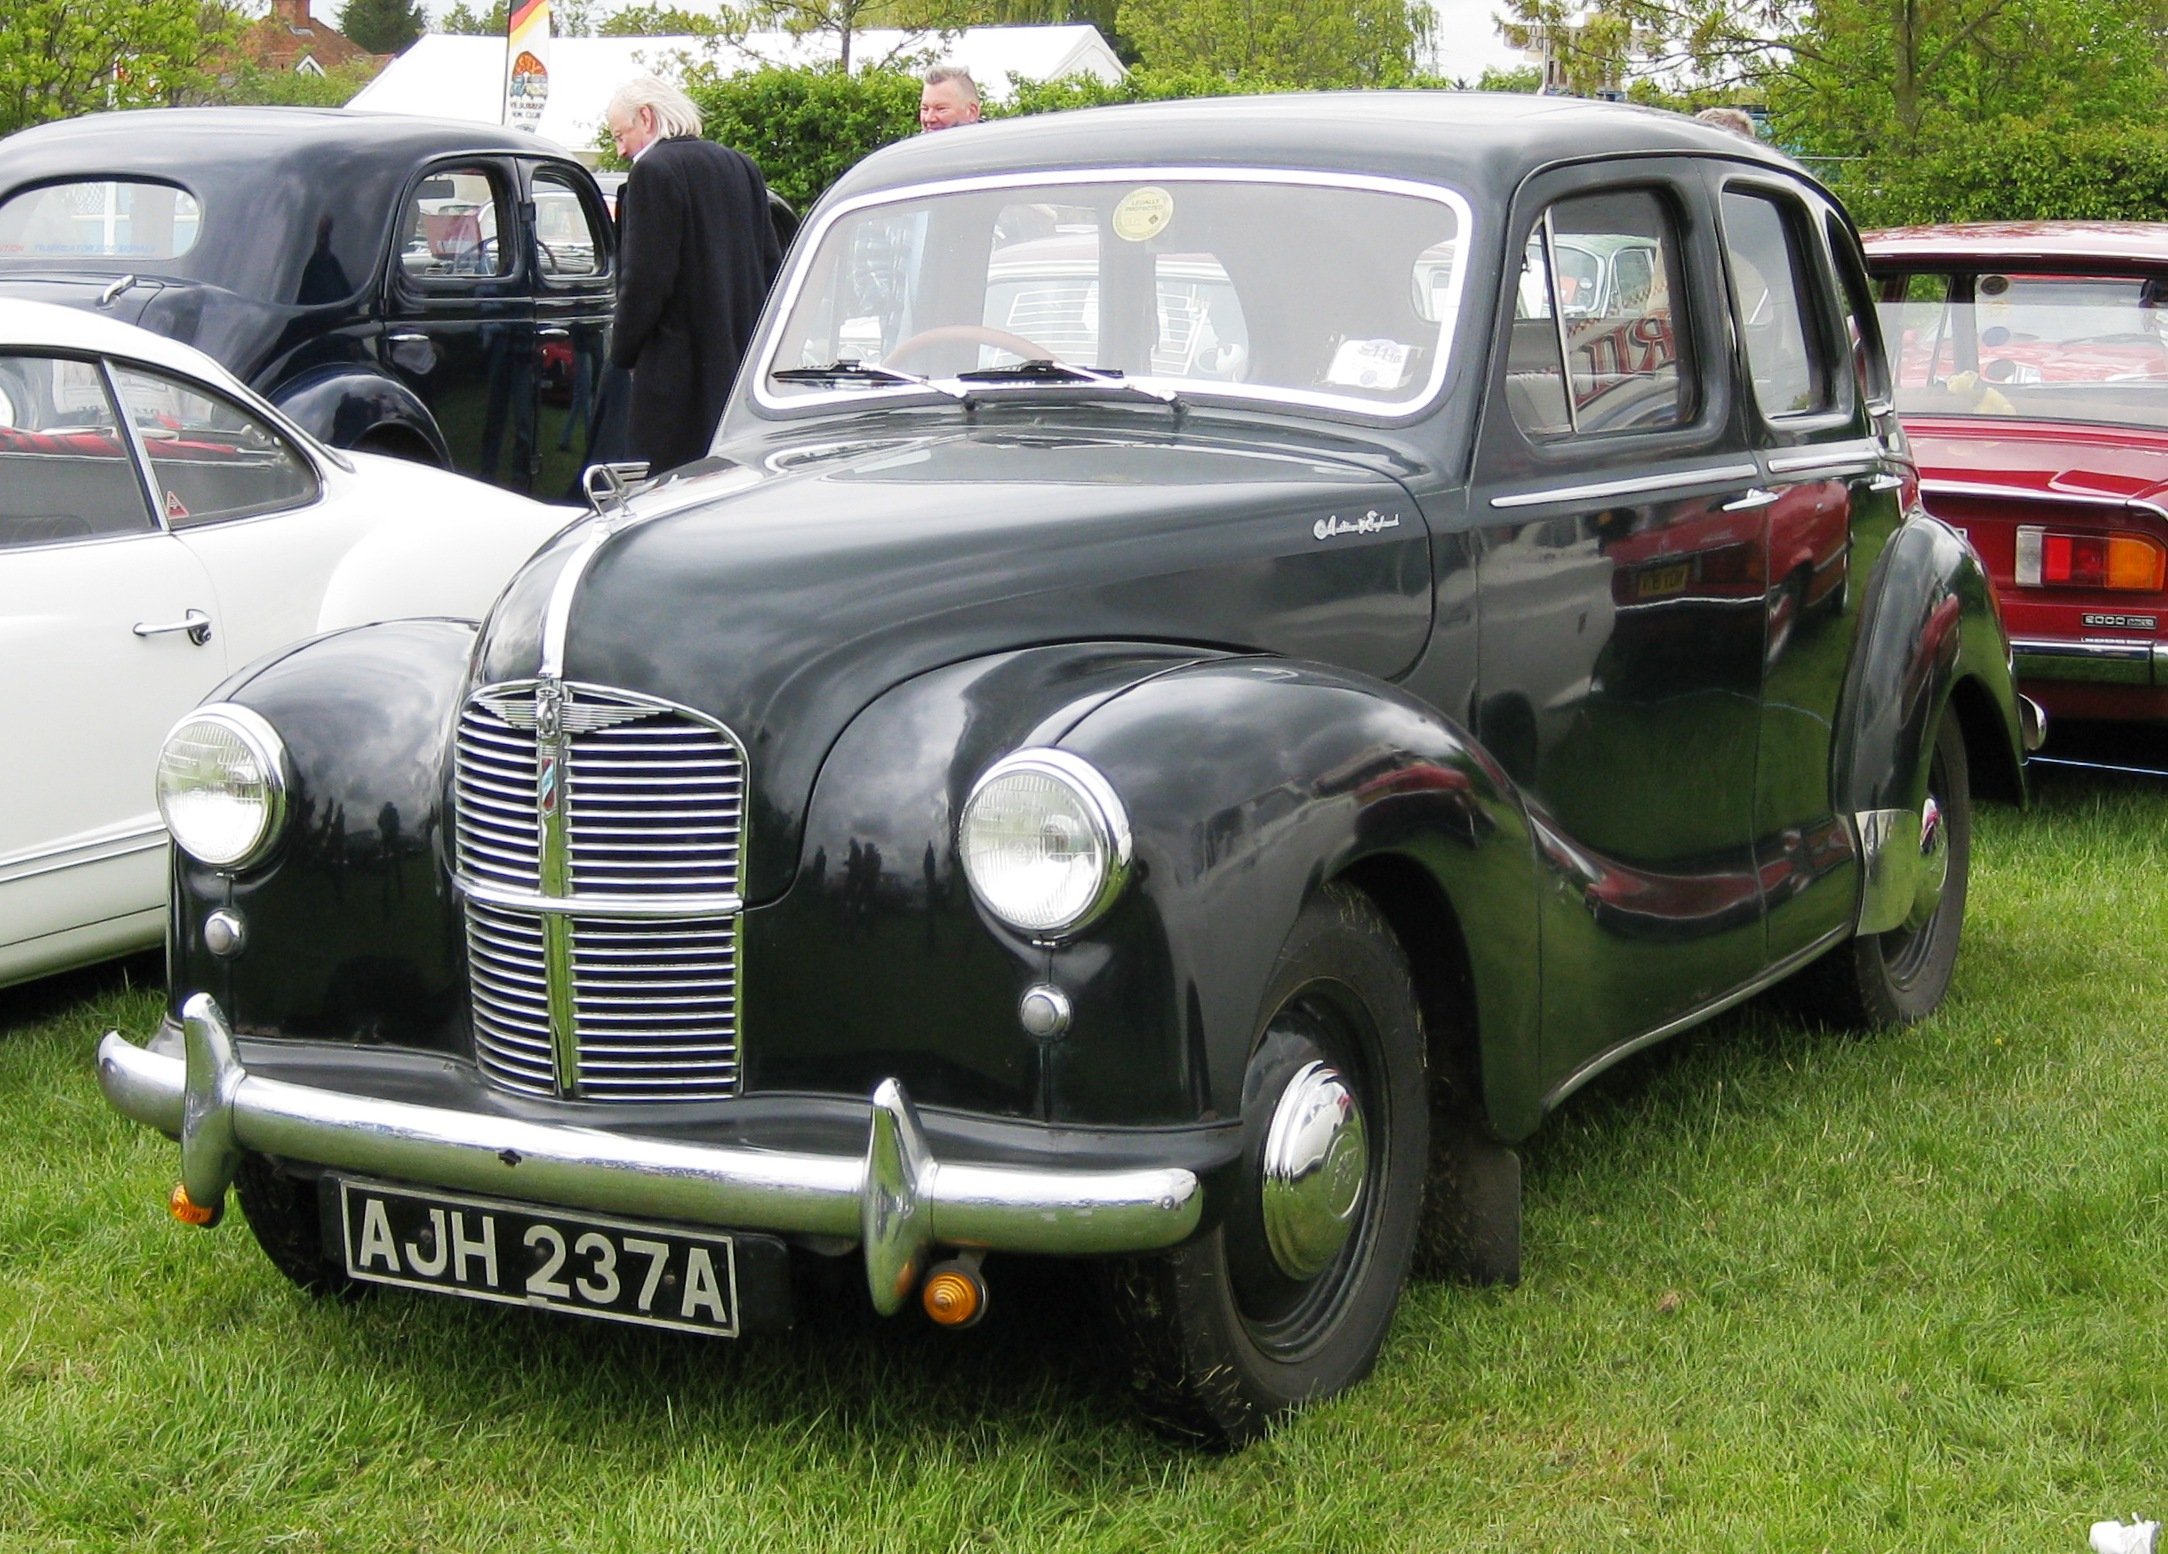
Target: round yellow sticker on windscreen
{"type": "Point", "coordinates": [1143, 213]}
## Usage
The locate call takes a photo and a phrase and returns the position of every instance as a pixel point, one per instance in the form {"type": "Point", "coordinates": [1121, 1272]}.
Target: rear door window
{"type": "Point", "coordinates": [1596, 343]}
{"type": "Point", "coordinates": [452, 228]}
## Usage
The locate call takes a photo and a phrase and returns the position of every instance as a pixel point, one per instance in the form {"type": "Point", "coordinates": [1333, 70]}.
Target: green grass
{"type": "Point", "coordinates": [1786, 1290]}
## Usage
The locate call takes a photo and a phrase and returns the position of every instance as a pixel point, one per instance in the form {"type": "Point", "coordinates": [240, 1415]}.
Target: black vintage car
{"type": "Point", "coordinates": [431, 289]}
{"type": "Point", "coordinates": [1205, 687]}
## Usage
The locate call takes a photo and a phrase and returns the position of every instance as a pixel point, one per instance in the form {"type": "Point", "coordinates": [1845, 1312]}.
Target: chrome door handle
{"type": "Point", "coordinates": [408, 339]}
{"type": "Point", "coordinates": [195, 623]}
{"type": "Point", "coordinates": [555, 334]}
{"type": "Point", "coordinates": [1756, 497]}
{"type": "Point", "coordinates": [1885, 482]}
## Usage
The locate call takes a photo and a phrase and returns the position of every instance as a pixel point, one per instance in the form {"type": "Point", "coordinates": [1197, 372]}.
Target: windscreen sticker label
{"type": "Point", "coordinates": [1143, 213]}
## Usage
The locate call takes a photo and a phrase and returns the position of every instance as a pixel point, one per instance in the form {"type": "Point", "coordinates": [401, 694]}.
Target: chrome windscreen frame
{"type": "Point", "coordinates": [785, 304]}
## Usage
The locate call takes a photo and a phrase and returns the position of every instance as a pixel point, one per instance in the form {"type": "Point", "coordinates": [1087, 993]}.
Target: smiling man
{"type": "Point", "coordinates": [949, 98]}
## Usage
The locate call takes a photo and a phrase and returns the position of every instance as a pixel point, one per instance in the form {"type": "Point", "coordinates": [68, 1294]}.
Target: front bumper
{"type": "Point", "coordinates": [895, 1199]}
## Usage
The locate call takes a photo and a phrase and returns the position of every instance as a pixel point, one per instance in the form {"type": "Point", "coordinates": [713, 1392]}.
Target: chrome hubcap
{"type": "Point", "coordinates": [1316, 1159]}
{"type": "Point", "coordinates": [1934, 866]}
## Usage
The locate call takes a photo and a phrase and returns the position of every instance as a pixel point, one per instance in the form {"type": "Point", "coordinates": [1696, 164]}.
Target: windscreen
{"type": "Point", "coordinates": [2044, 347]}
{"type": "Point", "coordinates": [1253, 286]}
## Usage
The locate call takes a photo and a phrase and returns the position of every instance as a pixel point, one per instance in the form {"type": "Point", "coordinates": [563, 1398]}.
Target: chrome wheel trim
{"type": "Point", "coordinates": [1314, 1169]}
{"type": "Point", "coordinates": [1934, 871]}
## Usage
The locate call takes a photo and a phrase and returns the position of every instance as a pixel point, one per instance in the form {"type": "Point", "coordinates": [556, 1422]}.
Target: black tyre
{"type": "Point", "coordinates": [284, 1218]}
{"type": "Point", "coordinates": [1898, 977]}
{"type": "Point", "coordinates": [1221, 1340]}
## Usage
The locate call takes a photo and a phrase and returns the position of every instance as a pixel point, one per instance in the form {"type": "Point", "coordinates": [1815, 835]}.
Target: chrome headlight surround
{"type": "Point", "coordinates": [1041, 790]}
{"type": "Point", "coordinates": [216, 764]}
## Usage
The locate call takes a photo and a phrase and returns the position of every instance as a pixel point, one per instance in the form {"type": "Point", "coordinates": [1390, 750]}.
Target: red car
{"type": "Point", "coordinates": [2031, 365]}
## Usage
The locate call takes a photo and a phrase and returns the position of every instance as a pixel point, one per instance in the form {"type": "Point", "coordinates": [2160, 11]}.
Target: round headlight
{"type": "Point", "coordinates": [222, 785]}
{"type": "Point", "coordinates": [1045, 842]}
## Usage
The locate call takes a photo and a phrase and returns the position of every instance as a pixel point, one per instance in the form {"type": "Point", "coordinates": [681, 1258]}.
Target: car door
{"type": "Point", "coordinates": [574, 262]}
{"type": "Point", "coordinates": [1621, 630]}
{"type": "Point", "coordinates": [459, 316]}
{"type": "Point", "coordinates": [1817, 399]}
{"type": "Point", "coordinates": [109, 628]}
{"type": "Point", "coordinates": [245, 500]}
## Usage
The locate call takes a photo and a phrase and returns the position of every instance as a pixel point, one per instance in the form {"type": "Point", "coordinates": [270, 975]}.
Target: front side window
{"type": "Point", "coordinates": [65, 473]}
{"type": "Point", "coordinates": [1189, 281]}
{"type": "Point", "coordinates": [1596, 340]}
{"type": "Point", "coordinates": [209, 458]}
{"type": "Point", "coordinates": [451, 227]}
{"type": "Point", "coordinates": [2065, 347]}
{"type": "Point", "coordinates": [112, 218]}
{"type": "Point", "coordinates": [1772, 286]}
{"type": "Point", "coordinates": [567, 244]}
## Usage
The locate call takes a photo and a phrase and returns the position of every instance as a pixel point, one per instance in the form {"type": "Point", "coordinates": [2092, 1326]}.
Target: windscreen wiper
{"type": "Point", "coordinates": [849, 371]}
{"type": "Point", "coordinates": [1043, 370]}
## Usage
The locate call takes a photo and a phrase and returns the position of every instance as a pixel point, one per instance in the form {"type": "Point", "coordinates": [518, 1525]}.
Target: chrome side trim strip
{"type": "Point", "coordinates": [121, 842]}
{"type": "Point", "coordinates": [2100, 663]}
{"type": "Point", "coordinates": [600, 906]}
{"type": "Point", "coordinates": [1716, 1006]}
{"type": "Point", "coordinates": [896, 1197]}
{"type": "Point", "coordinates": [1639, 485]}
{"type": "Point", "coordinates": [1837, 462]}
{"type": "Point", "coordinates": [2060, 498]}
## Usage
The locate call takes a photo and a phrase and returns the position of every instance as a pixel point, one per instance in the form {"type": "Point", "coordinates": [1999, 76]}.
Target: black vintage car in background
{"type": "Point", "coordinates": [1209, 682]}
{"type": "Point", "coordinates": [431, 289]}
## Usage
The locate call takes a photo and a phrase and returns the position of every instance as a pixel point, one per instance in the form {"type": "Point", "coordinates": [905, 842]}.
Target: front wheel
{"type": "Point", "coordinates": [1288, 1301]}
{"type": "Point", "coordinates": [1898, 977]}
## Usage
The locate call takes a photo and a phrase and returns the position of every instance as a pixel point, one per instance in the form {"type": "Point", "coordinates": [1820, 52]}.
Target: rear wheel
{"type": "Point", "coordinates": [1898, 977]}
{"type": "Point", "coordinates": [1289, 1300]}
{"type": "Point", "coordinates": [283, 1217]}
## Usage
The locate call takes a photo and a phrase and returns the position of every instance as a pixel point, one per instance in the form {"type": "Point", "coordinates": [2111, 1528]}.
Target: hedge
{"type": "Point", "coordinates": [807, 127]}
{"type": "Point", "coordinates": [2013, 173]}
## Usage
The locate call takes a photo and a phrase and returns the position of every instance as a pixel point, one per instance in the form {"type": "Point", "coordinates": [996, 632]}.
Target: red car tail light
{"type": "Point", "coordinates": [2046, 559]}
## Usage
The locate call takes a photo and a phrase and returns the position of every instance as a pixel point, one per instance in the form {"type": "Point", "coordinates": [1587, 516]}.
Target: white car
{"type": "Point", "coordinates": [160, 527]}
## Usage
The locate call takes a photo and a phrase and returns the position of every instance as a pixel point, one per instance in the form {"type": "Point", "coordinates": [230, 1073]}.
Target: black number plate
{"type": "Point", "coordinates": [487, 1249]}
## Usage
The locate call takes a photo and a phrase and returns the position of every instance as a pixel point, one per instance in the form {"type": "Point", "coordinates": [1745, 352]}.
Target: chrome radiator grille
{"type": "Point", "coordinates": [597, 839]}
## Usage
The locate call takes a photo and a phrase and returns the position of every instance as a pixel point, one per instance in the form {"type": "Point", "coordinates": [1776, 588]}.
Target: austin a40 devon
{"type": "Point", "coordinates": [1228, 657]}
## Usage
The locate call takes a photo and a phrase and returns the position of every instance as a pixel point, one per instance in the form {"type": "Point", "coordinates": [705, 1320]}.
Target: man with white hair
{"type": "Point", "coordinates": [697, 256]}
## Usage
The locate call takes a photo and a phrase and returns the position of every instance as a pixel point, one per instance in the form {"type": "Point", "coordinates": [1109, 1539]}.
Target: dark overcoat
{"type": "Point", "coordinates": [699, 254]}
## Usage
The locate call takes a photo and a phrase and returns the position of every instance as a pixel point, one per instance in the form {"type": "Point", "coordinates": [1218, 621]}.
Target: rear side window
{"type": "Point", "coordinates": [210, 459]}
{"type": "Point", "coordinates": [1772, 285]}
{"type": "Point", "coordinates": [1596, 339]}
{"type": "Point", "coordinates": [107, 219]}
{"type": "Point", "coordinates": [65, 473]}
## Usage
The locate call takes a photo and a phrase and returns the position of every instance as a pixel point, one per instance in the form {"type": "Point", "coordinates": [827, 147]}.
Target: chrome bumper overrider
{"type": "Point", "coordinates": [895, 1199]}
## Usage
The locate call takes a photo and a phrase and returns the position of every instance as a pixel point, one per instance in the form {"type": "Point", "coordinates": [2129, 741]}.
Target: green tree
{"type": "Point", "coordinates": [59, 58]}
{"type": "Point", "coordinates": [383, 26]}
{"type": "Point", "coordinates": [1308, 43]}
{"type": "Point", "coordinates": [1871, 77]}
{"type": "Point", "coordinates": [463, 19]}
{"type": "Point", "coordinates": [664, 21]}
{"type": "Point", "coordinates": [805, 128]}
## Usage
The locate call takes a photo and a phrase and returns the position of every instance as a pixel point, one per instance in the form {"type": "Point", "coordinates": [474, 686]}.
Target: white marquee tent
{"type": "Point", "coordinates": [449, 77]}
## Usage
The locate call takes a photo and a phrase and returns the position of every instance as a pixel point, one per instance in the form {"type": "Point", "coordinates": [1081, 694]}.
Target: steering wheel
{"type": "Point", "coordinates": [972, 334]}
